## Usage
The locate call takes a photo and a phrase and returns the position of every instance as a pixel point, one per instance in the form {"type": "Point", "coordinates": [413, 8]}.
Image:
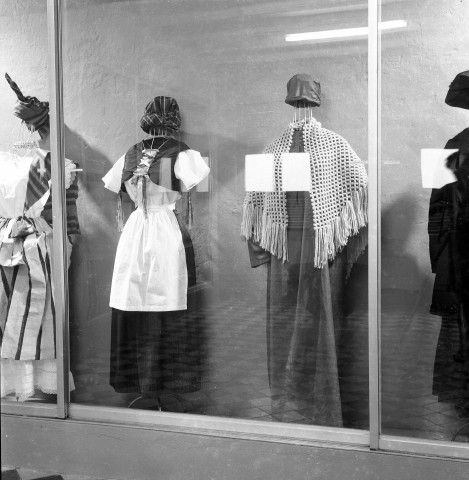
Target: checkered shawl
{"type": "Point", "coordinates": [338, 198]}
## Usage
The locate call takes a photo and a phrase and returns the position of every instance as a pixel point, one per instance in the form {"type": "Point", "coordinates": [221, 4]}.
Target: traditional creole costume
{"type": "Point", "coordinates": [27, 315]}
{"type": "Point", "coordinates": [154, 263]}
{"type": "Point", "coordinates": [308, 241]}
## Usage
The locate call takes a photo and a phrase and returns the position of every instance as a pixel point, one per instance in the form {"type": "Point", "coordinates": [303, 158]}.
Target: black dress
{"type": "Point", "coordinates": [157, 352]}
{"type": "Point", "coordinates": [448, 229]}
{"type": "Point", "coordinates": [448, 224]}
{"type": "Point", "coordinates": [304, 317]}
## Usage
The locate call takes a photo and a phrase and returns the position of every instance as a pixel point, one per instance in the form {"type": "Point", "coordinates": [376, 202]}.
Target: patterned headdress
{"type": "Point", "coordinates": [33, 112]}
{"type": "Point", "coordinates": [161, 117]}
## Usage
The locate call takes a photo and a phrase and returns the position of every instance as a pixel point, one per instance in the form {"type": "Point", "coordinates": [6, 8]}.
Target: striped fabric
{"type": "Point", "coordinates": [27, 316]}
{"type": "Point", "coordinates": [71, 196]}
{"type": "Point", "coordinates": [38, 180]}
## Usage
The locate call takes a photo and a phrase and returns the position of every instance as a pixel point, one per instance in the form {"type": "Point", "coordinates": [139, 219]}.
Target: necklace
{"type": "Point", "coordinates": [157, 150]}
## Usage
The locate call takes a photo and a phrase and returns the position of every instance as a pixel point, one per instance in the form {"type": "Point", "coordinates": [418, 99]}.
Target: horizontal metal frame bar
{"type": "Point", "coordinates": [219, 426]}
{"type": "Point", "coordinates": [421, 446]}
{"type": "Point", "coordinates": [247, 429]}
{"type": "Point", "coordinates": [48, 410]}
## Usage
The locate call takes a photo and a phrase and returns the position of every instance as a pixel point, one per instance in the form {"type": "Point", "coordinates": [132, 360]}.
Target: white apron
{"type": "Point", "coordinates": [150, 273]}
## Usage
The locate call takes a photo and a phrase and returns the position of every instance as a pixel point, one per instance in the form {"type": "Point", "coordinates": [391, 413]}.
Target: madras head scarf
{"type": "Point", "coordinates": [33, 112]}
{"type": "Point", "coordinates": [458, 93]}
{"type": "Point", "coordinates": [161, 117]}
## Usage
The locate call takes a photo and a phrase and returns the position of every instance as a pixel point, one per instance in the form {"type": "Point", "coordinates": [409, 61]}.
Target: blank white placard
{"type": "Point", "coordinates": [296, 172]}
{"type": "Point", "coordinates": [435, 174]}
{"type": "Point", "coordinates": [203, 185]}
{"type": "Point", "coordinates": [259, 173]}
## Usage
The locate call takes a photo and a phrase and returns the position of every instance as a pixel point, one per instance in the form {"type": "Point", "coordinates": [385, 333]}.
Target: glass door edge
{"type": "Point", "coordinates": [374, 307]}
{"type": "Point", "coordinates": [59, 262]}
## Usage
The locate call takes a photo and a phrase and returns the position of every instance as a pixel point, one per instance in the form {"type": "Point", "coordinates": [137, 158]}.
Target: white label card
{"type": "Point", "coordinates": [259, 173]}
{"type": "Point", "coordinates": [435, 173]}
{"type": "Point", "coordinates": [296, 172]}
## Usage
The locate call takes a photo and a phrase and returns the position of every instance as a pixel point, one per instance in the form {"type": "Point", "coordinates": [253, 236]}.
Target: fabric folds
{"type": "Point", "coordinates": [29, 317]}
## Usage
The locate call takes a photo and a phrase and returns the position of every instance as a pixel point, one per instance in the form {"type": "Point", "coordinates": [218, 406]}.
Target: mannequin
{"type": "Point", "coordinates": [307, 263]}
{"type": "Point", "coordinates": [154, 264]}
{"type": "Point", "coordinates": [28, 365]}
{"type": "Point", "coordinates": [448, 229]}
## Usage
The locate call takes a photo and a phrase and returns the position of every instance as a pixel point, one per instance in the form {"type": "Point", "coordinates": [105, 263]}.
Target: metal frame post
{"type": "Point", "coordinates": [374, 217]}
{"type": "Point", "coordinates": [60, 257]}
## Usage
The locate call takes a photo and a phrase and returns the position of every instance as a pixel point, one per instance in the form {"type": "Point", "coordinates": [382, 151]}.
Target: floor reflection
{"type": "Point", "coordinates": [235, 381]}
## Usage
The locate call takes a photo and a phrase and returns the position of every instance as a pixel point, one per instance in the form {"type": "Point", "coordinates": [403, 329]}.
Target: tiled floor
{"type": "Point", "coordinates": [425, 393]}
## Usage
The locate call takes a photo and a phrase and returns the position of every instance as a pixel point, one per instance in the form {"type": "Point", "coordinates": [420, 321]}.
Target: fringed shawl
{"type": "Point", "coordinates": [338, 198]}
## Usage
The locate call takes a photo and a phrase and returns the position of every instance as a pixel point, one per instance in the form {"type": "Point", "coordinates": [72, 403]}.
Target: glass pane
{"type": "Point", "coordinates": [27, 317]}
{"type": "Point", "coordinates": [425, 384]}
{"type": "Point", "coordinates": [170, 313]}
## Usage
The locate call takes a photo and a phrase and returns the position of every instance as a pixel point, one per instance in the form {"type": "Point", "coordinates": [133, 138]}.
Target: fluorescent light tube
{"type": "Point", "coordinates": [344, 32]}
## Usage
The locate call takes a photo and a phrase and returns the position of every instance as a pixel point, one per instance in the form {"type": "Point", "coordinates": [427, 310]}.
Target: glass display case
{"type": "Point", "coordinates": [28, 347]}
{"type": "Point", "coordinates": [250, 334]}
{"type": "Point", "coordinates": [424, 368]}
{"type": "Point", "coordinates": [259, 222]}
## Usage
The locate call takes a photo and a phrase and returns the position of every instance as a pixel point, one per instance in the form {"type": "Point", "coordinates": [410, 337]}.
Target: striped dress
{"type": "Point", "coordinates": [27, 316]}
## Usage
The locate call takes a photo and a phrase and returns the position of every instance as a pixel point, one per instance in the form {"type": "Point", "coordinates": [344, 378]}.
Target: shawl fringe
{"type": "Point", "coordinates": [272, 236]}
{"type": "Point", "coordinates": [332, 238]}
{"type": "Point", "coordinates": [348, 228]}
{"type": "Point", "coordinates": [338, 174]}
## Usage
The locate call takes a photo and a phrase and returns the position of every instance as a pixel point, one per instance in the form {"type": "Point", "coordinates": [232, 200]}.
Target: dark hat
{"type": "Point", "coordinates": [161, 116]}
{"type": "Point", "coordinates": [33, 112]}
{"type": "Point", "coordinates": [458, 93]}
{"type": "Point", "coordinates": [302, 90]}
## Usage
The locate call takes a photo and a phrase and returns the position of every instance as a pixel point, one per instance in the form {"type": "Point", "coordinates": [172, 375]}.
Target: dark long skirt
{"type": "Point", "coordinates": [157, 352]}
{"type": "Point", "coordinates": [304, 313]}
{"type": "Point", "coordinates": [449, 251]}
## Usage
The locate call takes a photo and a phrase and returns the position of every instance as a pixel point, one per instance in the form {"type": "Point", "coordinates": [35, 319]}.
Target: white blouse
{"type": "Point", "coordinates": [150, 273]}
{"type": "Point", "coordinates": [190, 168]}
